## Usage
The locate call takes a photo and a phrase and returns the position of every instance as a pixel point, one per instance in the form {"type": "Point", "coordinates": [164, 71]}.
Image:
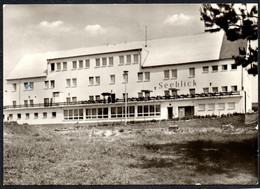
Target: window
{"type": "Point", "coordinates": [68, 99]}
{"type": "Point", "coordinates": [52, 66]}
{"type": "Point", "coordinates": [111, 61]}
{"type": "Point", "coordinates": [192, 72]}
{"type": "Point", "coordinates": [140, 76]}
{"type": "Point", "coordinates": [74, 99]}
{"type": "Point", "coordinates": [221, 106]}
{"type": "Point", "coordinates": [53, 114]}
{"type": "Point", "coordinates": [135, 58]}
{"type": "Point", "coordinates": [73, 114]}
{"type": "Point", "coordinates": [112, 79]}
{"type": "Point", "coordinates": [140, 95]}
{"type": "Point", "coordinates": [10, 116]}
{"type": "Point", "coordinates": [97, 97]}
{"type": "Point", "coordinates": [146, 76]}
{"type": "Point", "coordinates": [14, 86]}
{"type": "Point", "coordinates": [224, 67]}
{"type": "Point", "coordinates": [224, 88]}
{"type": "Point", "coordinates": [234, 88]}
{"type": "Point", "coordinates": [211, 107]}
{"type": "Point", "coordinates": [91, 98]}
{"type": "Point", "coordinates": [56, 94]}
{"type": "Point", "coordinates": [214, 89]}
{"type": "Point", "coordinates": [166, 74]}
{"type": "Point", "coordinates": [31, 103]}
{"type": "Point", "coordinates": [87, 63]}
{"type": "Point", "coordinates": [167, 93]}
{"type": "Point", "coordinates": [74, 65]}
{"type": "Point", "coordinates": [19, 116]}
{"type": "Point", "coordinates": [125, 95]}
{"type": "Point", "coordinates": [26, 103]}
{"type": "Point", "coordinates": [58, 66]}
{"type": "Point", "coordinates": [46, 84]}
{"type": "Point", "coordinates": [97, 80]}
{"type": "Point", "coordinates": [52, 84]}
{"type": "Point", "coordinates": [74, 82]}
{"type": "Point", "coordinates": [80, 64]}
{"type": "Point", "coordinates": [214, 68]}
{"type": "Point", "coordinates": [28, 85]}
{"type": "Point", "coordinates": [174, 74]}
{"type": "Point", "coordinates": [148, 110]}
{"type": "Point", "coordinates": [64, 65]}
{"type": "Point", "coordinates": [201, 107]}
{"type": "Point", "coordinates": [192, 91]}
{"type": "Point", "coordinates": [205, 90]}
{"type": "Point", "coordinates": [174, 92]}
{"type": "Point", "coordinates": [44, 115]}
{"type": "Point", "coordinates": [121, 59]}
{"type": "Point", "coordinates": [205, 69]}
{"type": "Point", "coordinates": [104, 61]}
{"type": "Point", "coordinates": [35, 115]}
{"type": "Point", "coordinates": [125, 78]}
{"type": "Point", "coordinates": [91, 80]}
{"type": "Point", "coordinates": [97, 62]}
{"type": "Point", "coordinates": [96, 113]}
{"type": "Point", "coordinates": [233, 66]}
{"type": "Point", "coordinates": [68, 83]}
{"type": "Point", "coordinates": [128, 59]}
{"type": "Point", "coordinates": [14, 103]}
{"type": "Point", "coordinates": [147, 94]}
{"type": "Point", "coordinates": [231, 105]}
{"type": "Point", "coordinates": [27, 116]}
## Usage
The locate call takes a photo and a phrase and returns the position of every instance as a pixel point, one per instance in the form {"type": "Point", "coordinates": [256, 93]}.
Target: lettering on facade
{"type": "Point", "coordinates": [177, 84]}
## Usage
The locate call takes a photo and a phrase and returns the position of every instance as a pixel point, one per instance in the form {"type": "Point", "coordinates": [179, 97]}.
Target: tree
{"type": "Point", "coordinates": [238, 22]}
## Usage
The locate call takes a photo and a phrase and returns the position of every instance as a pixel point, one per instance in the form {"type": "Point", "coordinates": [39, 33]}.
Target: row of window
{"type": "Point", "coordinates": [103, 62]}
{"type": "Point", "coordinates": [205, 90]}
{"type": "Point", "coordinates": [220, 106]}
{"type": "Point", "coordinates": [141, 76]}
{"type": "Point", "coordinates": [116, 112]}
{"type": "Point", "coordinates": [35, 115]}
{"type": "Point", "coordinates": [173, 73]}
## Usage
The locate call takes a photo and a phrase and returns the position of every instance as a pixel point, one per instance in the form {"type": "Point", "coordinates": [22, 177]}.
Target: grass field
{"type": "Point", "coordinates": [200, 151]}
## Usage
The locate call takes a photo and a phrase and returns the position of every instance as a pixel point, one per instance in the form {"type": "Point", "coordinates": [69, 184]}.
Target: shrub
{"type": "Point", "coordinates": [121, 130]}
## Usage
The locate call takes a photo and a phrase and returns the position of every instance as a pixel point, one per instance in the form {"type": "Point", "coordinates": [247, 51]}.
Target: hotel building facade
{"type": "Point", "coordinates": [161, 79]}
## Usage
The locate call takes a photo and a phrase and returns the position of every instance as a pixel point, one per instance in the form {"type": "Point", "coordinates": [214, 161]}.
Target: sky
{"type": "Point", "coordinates": [32, 29]}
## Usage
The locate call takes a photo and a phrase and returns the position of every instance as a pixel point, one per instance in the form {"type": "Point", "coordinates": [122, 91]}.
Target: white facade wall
{"type": "Point", "coordinates": [157, 84]}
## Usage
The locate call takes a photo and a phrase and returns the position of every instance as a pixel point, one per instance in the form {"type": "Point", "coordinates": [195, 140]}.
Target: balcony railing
{"type": "Point", "coordinates": [157, 98]}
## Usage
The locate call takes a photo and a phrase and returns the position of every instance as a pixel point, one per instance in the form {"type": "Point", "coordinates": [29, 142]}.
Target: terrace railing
{"type": "Point", "coordinates": [156, 98]}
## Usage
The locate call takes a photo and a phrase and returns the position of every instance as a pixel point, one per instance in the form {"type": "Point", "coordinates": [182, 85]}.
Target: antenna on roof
{"type": "Point", "coordinates": [145, 36]}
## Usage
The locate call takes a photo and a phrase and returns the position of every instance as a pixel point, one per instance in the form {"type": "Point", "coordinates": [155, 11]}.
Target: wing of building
{"type": "Point", "coordinates": [159, 79]}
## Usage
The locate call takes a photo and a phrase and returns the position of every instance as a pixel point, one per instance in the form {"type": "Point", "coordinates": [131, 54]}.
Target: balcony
{"type": "Point", "coordinates": [140, 99]}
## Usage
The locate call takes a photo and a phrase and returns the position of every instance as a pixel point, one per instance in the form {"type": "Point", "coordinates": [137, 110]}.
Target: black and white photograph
{"type": "Point", "coordinates": [130, 94]}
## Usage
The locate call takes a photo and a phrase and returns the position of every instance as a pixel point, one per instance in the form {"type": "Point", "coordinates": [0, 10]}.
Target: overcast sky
{"type": "Point", "coordinates": [39, 28]}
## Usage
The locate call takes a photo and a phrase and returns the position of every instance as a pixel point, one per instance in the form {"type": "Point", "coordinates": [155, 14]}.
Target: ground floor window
{"type": "Point", "coordinates": [10, 116]}
{"type": "Point", "coordinates": [148, 110]}
{"type": "Point", "coordinates": [120, 111]}
{"type": "Point", "coordinates": [73, 114]}
{"type": "Point", "coordinates": [231, 105]}
{"type": "Point", "coordinates": [201, 107]}
{"type": "Point", "coordinates": [44, 114]}
{"type": "Point", "coordinates": [221, 106]}
{"type": "Point", "coordinates": [35, 115]}
{"type": "Point", "coordinates": [93, 113]}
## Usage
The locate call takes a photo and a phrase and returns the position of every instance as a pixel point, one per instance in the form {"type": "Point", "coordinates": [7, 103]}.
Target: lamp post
{"type": "Point", "coordinates": [126, 80]}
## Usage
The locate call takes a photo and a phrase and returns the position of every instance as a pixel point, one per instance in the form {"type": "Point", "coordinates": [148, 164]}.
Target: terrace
{"type": "Point", "coordinates": [134, 99]}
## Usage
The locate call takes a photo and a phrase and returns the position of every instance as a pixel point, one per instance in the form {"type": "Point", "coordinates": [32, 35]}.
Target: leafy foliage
{"type": "Point", "coordinates": [238, 22]}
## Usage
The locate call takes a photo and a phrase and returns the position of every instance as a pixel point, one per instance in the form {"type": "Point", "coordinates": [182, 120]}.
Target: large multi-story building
{"type": "Point", "coordinates": [161, 79]}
